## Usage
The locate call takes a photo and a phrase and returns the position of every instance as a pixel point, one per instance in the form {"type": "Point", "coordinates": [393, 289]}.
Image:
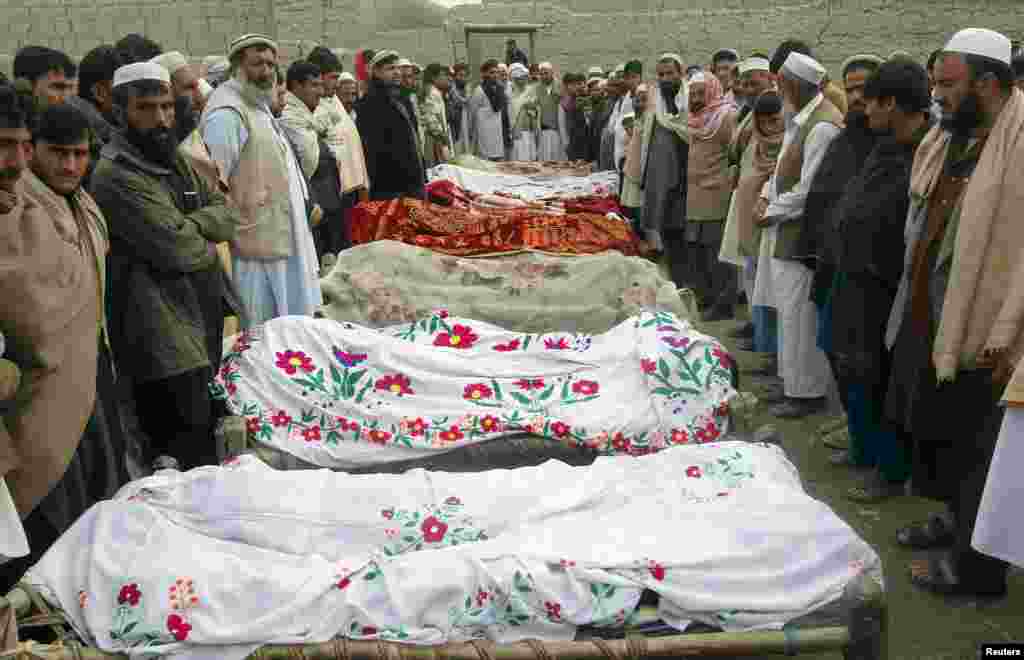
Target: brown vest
{"type": "Point", "coordinates": [259, 184]}
{"type": "Point", "coordinates": [787, 174]}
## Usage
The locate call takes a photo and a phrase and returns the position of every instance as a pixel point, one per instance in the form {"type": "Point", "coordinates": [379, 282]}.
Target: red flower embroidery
{"type": "Point", "coordinates": [312, 434]}
{"type": "Point", "coordinates": [648, 366]}
{"type": "Point", "coordinates": [724, 359]}
{"type": "Point", "coordinates": [560, 429]}
{"type": "Point", "coordinates": [666, 328]}
{"type": "Point", "coordinates": [562, 344]}
{"type": "Point", "coordinates": [451, 435]}
{"type": "Point", "coordinates": [676, 342]}
{"type": "Point", "coordinates": [178, 627]}
{"type": "Point", "coordinates": [490, 424]}
{"type": "Point", "coordinates": [343, 583]}
{"type": "Point", "coordinates": [292, 361]}
{"type": "Point", "coordinates": [481, 597]}
{"type": "Point", "coordinates": [461, 336]}
{"type": "Point", "coordinates": [566, 563]}
{"type": "Point", "coordinates": [443, 313]}
{"type": "Point", "coordinates": [453, 501]}
{"type": "Point", "coordinates": [507, 348]}
{"type": "Point", "coordinates": [252, 425]}
{"type": "Point", "coordinates": [388, 513]}
{"type": "Point", "coordinates": [527, 384]}
{"type": "Point", "coordinates": [585, 387]}
{"type": "Point", "coordinates": [476, 392]}
{"type": "Point", "coordinates": [369, 630]}
{"type": "Point", "coordinates": [711, 432]}
{"type": "Point", "coordinates": [232, 389]}
{"type": "Point", "coordinates": [397, 384]}
{"type": "Point", "coordinates": [281, 419]}
{"type": "Point", "coordinates": [722, 410]}
{"type": "Point", "coordinates": [417, 427]}
{"type": "Point", "coordinates": [680, 437]}
{"type": "Point", "coordinates": [129, 594]}
{"type": "Point", "coordinates": [620, 442]}
{"type": "Point", "coordinates": [379, 437]}
{"type": "Point", "coordinates": [693, 472]}
{"type": "Point", "coordinates": [433, 530]}
{"type": "Point", "coordinates": [554, 610]}
{"type": "Point", "coordinates": [657, 571]}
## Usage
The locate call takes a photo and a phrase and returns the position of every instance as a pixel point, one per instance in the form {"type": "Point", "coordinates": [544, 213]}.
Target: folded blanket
{"type": "Point", "coordinates": [339, 395]}
{"type": "Point", "coordinates": [220, 560]}
{"type": "Point", "coordinates": [527, 187]}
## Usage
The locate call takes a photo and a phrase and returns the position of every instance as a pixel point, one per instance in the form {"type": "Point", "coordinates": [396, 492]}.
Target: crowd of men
{"type": "Point", "coordinates": [150, 205]}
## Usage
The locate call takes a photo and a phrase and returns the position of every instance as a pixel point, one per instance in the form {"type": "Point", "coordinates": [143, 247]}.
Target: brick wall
{"type": "Point", "coordinates": [579, 33]}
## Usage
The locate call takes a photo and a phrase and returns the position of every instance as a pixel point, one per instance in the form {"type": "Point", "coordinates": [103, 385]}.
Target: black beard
{"type": "Point", "coordinates": [966, 118]}
{"type": "Point", "coordinates": [857, 120]}
{"type": "Point", "coordinates": [158, 145]}
{"type": "Point", "coordinates": [461, 85]}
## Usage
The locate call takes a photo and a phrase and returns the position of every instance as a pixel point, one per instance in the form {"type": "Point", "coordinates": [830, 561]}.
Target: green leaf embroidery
{"type": "Point", "coordinates": [335, 374]}
{"type": "Point", "coordinates": [497, 390]}
{"type": "Point", "coordinates": [520, 398]}
{"type": "Point", "coordinates": [663, 368]}
{"type": "Point", "coordinates": [362, 392]}
{"type": "Point", "coordinates": [526, 341]}
{"type": "Point", "coordinates": [546, 394]}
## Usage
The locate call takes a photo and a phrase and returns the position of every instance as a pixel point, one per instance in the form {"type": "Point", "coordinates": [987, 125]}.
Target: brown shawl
{"type": "Point", "coordinates": [756, 167]}
{"type": "Point", "coordinates": [51, 319]}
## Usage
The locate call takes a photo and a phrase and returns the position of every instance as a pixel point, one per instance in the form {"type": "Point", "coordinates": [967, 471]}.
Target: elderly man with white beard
{"type": "Point", "coordinates": [274, 263]}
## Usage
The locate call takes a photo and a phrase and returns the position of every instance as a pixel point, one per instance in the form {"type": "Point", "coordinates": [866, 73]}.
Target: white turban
{"type": "Point", "coordinates": [130, 73]}
{"type": "Point", "coordinates": [517, 70]}
{"type": "Point", "coordinates": [172, 61]}
{"type": "Point", "coordinates": [674, 57]}
{"type": "Point", "coordinates": [545, 66]}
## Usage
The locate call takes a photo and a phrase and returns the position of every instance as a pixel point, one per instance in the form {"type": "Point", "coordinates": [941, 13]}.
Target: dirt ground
{"type": "Point", "coordinates": [921, 626]}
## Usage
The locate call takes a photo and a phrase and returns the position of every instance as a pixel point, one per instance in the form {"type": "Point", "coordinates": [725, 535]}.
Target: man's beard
{"type": "Point", "coordinates": [669, 87]}
{"type": "Point", "coordinates": [261, 90]}
{"type": "Point", "coordinates": [460, 85]}
{"type": "Point", "coordinates": [966, 118]}
{"type": "Point", "coordinates": [857, 120]}
{"type": "Point", "coordinates": [186, 118]}
{"type": "Point", "coordinates": [157, 145]}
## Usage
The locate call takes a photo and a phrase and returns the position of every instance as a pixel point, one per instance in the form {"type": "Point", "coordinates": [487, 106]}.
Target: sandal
{"type": "Point", "coordinates": [938, 575]}
{"type": "Point", "coordinates": [936, 532]}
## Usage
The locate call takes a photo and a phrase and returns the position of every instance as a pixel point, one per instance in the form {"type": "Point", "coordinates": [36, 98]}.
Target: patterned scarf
{"type": "Point", "coordinates": [705, 122]}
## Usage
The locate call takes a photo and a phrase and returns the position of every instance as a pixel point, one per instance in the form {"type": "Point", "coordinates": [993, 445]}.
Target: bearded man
{"type": "Point", "coordinates": [664, 156]}
{"type": "Point", "coordinates": [437, 146]}
{"type": "Point", "coordinates": [457, 103]}
{"type": "Point", "coordinates": [169, 290]}
{"type": "Point", "coordinates": [549, 96]}
{"type": "Point", "coordinates": [572, 120]}
{"type": "Point", "coordinates": [815, 123]}
{"type": "Point", "coordinates": [633, 126]}
{"type": "Point", "coordinates": [869, 219]}
{"type": "Point", "coordinates": [274, 264]}
{"type": "Point", "coordinates": [489, 129]}
{"type": "Point", "coordinates": [956, 324]}
{"type": "Point", "coordinates": [388, 130]}
{"type": "Point", "coordinates": [524, 115]}
{"type": "Point", "coordinates": [185, 84]}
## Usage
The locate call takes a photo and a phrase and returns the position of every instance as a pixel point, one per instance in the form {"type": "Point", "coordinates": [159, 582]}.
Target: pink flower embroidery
{"type": "Point", "coordinates": [129, 595]}
{"type": "Point", "coordinates": [417, 427]}
{"type": "Point", "coordinates": [312, 434]}
{"type": "Point", "coordinates": [693, 472]}
{"type": "Point", "coordinates": [481, 597]}
{"type": "Point", "coordinates": [648, 366]}
{"type": "Point", "coordinates": [666, 328]}
{"type": "Point", "coordinates": [442, 313]}
{"type": "Point", "coordinates": [433, 530]}
{"type": "Point", "coordinates": [621, 443]}
{"type": "Point", "coordinates": [507, 348]}
{"type": "Point", "coordinates": [679, 437]}
{"type": "Point", "coordinates": [343, 583]}
{"type": "Point", "coordinates": [369, 630]}
{"type": "Point", "coordinates": [379, 437]}
{"type": "Point", "coordinates": [292, 361]}
{"type": "Point", "coordinates": [724, 359]}
{"type": "Point", "coordinates": [252, 425]}
{"type": "Point", "coordinates": [388, 513]}
{"type": "Point", "coordinates": [585, 387]}
{"type": "Point", "coordinates": [676, 342]}
{"type": "Point", "coordinates": [178, 627]}
{"type": "Point", "coordinates": [397, 384]}
{"type": "Point", "coordinates": [554, 610]}
{"type": "Point", "coordinates": [281, 418]}
{"type": "Point", "coordinates": [476, 392]}
{"type": "Point", "coordinates": [490, 424]}
{"type": "Point", "coordinates": [453, 434]}
{"type": "Point", "coordinates": [461, 336]}
{"type": "Point", "coordinates": [527, 384]}
{"type": "Point", "coordinates": [560, 429]}
{"type": "Point", "coordinates": [657, 571]}
{"type": "Point", "coordinates": [561, 344]}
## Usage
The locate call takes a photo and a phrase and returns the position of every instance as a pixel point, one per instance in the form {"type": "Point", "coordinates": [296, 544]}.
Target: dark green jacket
{"type": "Point", "coordinates": [169, 292]}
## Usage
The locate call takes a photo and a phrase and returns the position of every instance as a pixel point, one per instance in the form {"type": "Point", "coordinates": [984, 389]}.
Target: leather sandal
{"type": "Point", "coordinates": [936, 532]}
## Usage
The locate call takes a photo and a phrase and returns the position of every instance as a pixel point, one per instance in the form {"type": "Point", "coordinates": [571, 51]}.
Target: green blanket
{"type": "Point", "coordinates": [387, 282]}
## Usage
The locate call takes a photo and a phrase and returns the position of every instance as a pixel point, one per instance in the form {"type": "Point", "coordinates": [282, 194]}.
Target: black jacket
{"type": "Point", "coordinates": [389, 140]}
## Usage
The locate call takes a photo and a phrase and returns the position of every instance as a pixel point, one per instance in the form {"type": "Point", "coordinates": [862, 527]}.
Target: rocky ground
{"type": "Point", "coordinates": [921, 626]}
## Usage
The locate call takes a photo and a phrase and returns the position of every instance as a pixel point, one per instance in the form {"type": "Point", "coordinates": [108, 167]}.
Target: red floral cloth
{"type": "Point", "coordinates": [461, 232]}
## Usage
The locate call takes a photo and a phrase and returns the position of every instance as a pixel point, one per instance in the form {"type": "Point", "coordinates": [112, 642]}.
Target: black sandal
{"type": "Point", "coordinates": [936, 532]}
{"type": "Point", "coordinates": [942, 579]}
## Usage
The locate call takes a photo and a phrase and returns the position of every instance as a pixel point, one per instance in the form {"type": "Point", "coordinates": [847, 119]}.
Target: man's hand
{"type": "Point", "coordinates": [8, 200]}
{"type": "Point", "coordinates": [759, 210]}
{"type": "Point", "coordinates": [998, 359]}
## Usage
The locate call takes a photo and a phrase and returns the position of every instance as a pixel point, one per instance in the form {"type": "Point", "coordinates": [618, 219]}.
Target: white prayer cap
{"type": "Point", "coordinates": [674, 57]}
{"type": "Point", "coordinates": [866, 58]}
{"type": "Point", "coordinates": [979, 41]}
{"type": "Point", "coordinates": [502, 66]}
{"type": "Point", "coordinates": [620, 68]}
{"type": "Point", "coordinates": [805, 68]}
{"type": "Point", "coordinates": [754, 64]}
{"type": "Point", "coordinates": [130, 73]}
{"type": "Point", "coordinates": [594, 79]}
{"type": "Point", "coordinates": [205, 88]}
{"type": "Point", "coordinates": [346, 76]}
{"type": "Point", "coordinates": [172, 61]}
{"type": "Point", "coordinates": [517, 70]}
{"type": "Point", "coordinates": [698, 77]}
{"type": "Point", "coordinates": [403, 62]}
{"type": "Point", "coordinates": [595, 72]}
{"type": "Point", "coordinates": [383, 55]}
{"type": "Point", "coordinates": [545, 66]}
{"type": "Point", "coordinates": [250, 40]}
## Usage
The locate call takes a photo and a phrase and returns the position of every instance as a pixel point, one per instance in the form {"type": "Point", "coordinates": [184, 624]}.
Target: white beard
{"type": "Point", "coordinates": [255, 92]}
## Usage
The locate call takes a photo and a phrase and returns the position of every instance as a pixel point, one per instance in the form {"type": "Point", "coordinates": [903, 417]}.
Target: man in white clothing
{"type": "Point", "coordinates": [549, 96]}
{"type": "Point", "coordinates": [814, 122]}
{"type": "Point", "coordinates": [488, 115]}
{"type": "Point", "coordinates": [274, 262]}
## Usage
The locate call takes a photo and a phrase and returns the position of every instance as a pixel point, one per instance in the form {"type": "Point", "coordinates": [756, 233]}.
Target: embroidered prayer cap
{"type": "Point", "coordinates": [979, 41]}
{"type": "Point", "coordinates": [805, 68]}
{"type": "Point", "coordinates": [620, 68]}
{"type": "Point", "coordinates": [172, 61]}
{"type": "Point", "coordinates": [545, 66]}
{"type": "Point", "coordinates": [754, 64]}
{"type": "Point", "coordinates": [595, 72]}
{"type": "Point", "coordinates": [873, 61]}
{"type": "Point", "coordinates": [345, 76]}
{"type": "Point", "coordinates": [130, 73]}
{"type": "Point", "coordinates": [403, 62]}
{"type": "Point", "coordinates": [517, 70]}
{"type": "Point", "coordinates": [697, 77]}
{"type": "Point", "coordinates": [250, 40]}
{"type": "Point", "coordinates": [383, 57]}
{"type": "Point", "coordinates": [594, 79]}
{"type": "Point", "coordinates": [674, 57]}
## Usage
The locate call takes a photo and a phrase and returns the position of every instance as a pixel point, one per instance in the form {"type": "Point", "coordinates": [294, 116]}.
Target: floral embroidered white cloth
{"type": "Point", "coordinates": [340, 395]}
{"type": "Point", "coordinates": [219, 560]}
{"type": "Point", "coordinates": [530, 188]}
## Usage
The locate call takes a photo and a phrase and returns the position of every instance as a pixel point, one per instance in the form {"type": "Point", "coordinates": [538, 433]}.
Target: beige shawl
{"type": "Point", "coordinates": [984, 304]}
{"type": "Point", "coordinates": [342, 137]}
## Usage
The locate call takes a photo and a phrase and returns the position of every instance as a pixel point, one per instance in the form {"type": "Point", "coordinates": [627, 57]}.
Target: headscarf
{"type": "Point", "coordinates": [766, 148]}
{"type": "Point", "coordinates": [705, 123]}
